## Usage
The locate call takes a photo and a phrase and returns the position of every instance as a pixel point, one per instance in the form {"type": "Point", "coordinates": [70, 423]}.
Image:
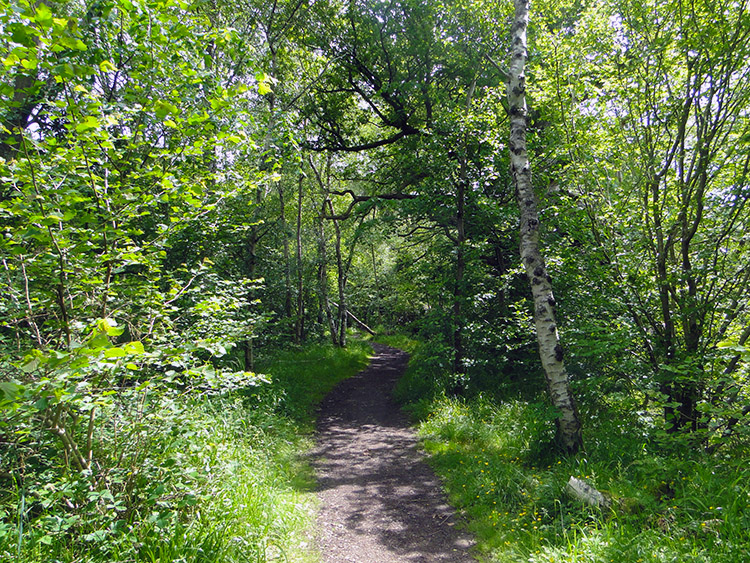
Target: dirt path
{"type": "Point", "coordinates": [380, 501]}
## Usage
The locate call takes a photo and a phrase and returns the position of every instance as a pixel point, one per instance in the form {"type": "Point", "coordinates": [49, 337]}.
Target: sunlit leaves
{"type": "Point", "coordinates": [265, 83]}
{"type": "Point", "coordinates": [88, 123]}
{"type": "Point", "coordinates": [647, 101]}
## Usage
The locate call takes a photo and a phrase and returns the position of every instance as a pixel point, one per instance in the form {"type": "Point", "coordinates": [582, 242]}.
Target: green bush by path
{"type": "Point", "coordinates": [181, 477]}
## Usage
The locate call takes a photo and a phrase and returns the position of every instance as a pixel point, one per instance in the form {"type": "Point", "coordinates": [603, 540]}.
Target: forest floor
{"type": "Point", "coordinates": [380, 502]}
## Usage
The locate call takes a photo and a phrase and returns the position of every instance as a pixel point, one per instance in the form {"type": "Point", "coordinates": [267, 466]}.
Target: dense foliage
{"type": "Point", "coordinates": [188, 184]}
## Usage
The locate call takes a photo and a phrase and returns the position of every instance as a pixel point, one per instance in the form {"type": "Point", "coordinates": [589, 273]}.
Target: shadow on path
{"type": "Point", "coordinates": [379, 501]}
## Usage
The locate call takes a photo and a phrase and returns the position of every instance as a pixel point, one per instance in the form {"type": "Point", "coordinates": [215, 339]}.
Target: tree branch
{"type": "Point", "coordinates": [361, 199]}
{"type": "Point", "coordinates": [406, 132]}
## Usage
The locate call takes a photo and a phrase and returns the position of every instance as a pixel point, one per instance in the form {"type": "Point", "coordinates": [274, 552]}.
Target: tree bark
{"type": "Point", "coordinates": [550, 350]}
{"type": "Point", "coordinates": [322, 251]}
{"type": "Point", "coordinates": [356, 320]}
{"type": "Point", "coordinates": [300, 324]}
{"type": "Point", "coordinates": [378, 313]}
{"type": "Point", "coordinates": [459, 292]}
{"type": "Point", "coordinates": [286, 254]}
{"type": "Point", "coordinates": [341, 279]}
{"type": "Point", "coordinates": [323, 277]}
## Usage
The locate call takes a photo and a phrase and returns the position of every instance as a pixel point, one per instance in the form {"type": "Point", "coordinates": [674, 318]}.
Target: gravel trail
{"type": "Point", "coordinates": [380, 503]}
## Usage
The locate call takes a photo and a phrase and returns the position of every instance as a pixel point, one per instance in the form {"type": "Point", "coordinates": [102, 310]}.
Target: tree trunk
{"type": "Point", "coordinates": [356, 320]}
{"type": "Point", "coordinates": [550, 351]}
{"type": "Point", "coordinates": [341, 280]}
{"type": "Point", "coordinates": [378, 313]}
{"type": "Point", "coordinates": [323, 277]}
{"type": "Point", "coordinates": [285, 250]}
{"type": "Point", "coordinates": [322, 251]}
{"type": "Point", "coordinates": [299, 325]}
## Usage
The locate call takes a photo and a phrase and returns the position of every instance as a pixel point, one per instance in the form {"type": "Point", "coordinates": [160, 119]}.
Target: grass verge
{"type": "Point", "coordinates": [499, 467]}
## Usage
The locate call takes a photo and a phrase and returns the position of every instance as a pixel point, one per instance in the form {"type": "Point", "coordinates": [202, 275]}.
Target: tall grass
{"type": "Point", "coordinates": [498, 464]}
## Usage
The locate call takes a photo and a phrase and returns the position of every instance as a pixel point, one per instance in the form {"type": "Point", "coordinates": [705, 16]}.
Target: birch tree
{"type": "Point", "coordinates": [550, 350]}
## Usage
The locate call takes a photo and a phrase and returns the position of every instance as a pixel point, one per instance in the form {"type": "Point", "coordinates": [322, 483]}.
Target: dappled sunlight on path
{"type": "Point", "coordinates": [380, 501]}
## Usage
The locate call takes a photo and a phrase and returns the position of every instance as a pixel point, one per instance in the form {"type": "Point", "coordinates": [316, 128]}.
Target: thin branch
{"type": "Point", "coordinates": [406, 132]}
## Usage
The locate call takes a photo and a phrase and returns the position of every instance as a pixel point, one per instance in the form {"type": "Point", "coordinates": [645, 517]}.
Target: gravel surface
{"type": "Point", "coordinates": [379, 501]}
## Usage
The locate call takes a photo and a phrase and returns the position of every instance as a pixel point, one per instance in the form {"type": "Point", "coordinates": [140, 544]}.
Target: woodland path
{"type": "Point", "coordinates": [380, 503]}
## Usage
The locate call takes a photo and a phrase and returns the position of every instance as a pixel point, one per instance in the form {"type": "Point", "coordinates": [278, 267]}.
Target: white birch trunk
{"type": "Point", "coordinates": [550, 351]}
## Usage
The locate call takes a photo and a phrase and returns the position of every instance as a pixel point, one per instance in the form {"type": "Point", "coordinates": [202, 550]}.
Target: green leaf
{"type": "Point", "coordinates": [264, 83]}
{"type": "Point", "coordinates": [109, 327]}
{"type": "Point", "coordinates": [41, 404]}
{"type": "Point", "coordinates": [162, 109]}
{"type": "Point", "coordinates": [135, 347]}
{"type": "Point", "coordinates": [32, 361]}
{"type": "Point", "coordinates": [43, 15]}
{"type": "Point", "coordinates": [11, 60]}
{"type": "Point", "coordinates": [11, 390]}
{"type": "Point", "coordinates": [63, 71]}
{"type": "Point", "coordinates": [98, 340]}
{"type": "Point", "coordinates": [90, 122]}
{"type": "Point", "coordinates": [96, 536]}
{"type": "Point", "coordinates": [264, 88]}
{"type": "Point", "coordinates": [107, 66]}
{"type": "Point", "coordinates": [73, 43]}
{"type": "Point", "coordinates": [115, 353]}
{"type": "Point", "coordinates": [25, 35]}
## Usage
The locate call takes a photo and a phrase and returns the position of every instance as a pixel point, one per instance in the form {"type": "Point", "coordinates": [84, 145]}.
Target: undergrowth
{"type": "Point", "coordinates": [186, 477]}
{"type": "Point", "coordinates": [496, 458]}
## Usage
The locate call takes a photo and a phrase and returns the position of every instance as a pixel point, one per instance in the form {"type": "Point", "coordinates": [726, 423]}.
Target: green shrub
{"type": "Point", "coordinates": [171, 473]}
